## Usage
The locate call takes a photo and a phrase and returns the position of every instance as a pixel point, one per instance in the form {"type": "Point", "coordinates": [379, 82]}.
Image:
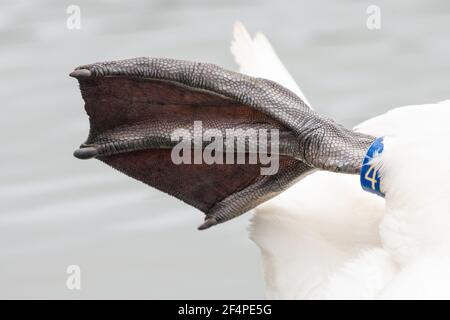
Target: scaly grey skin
{"type": "Point", "coordinates": [316, 141]}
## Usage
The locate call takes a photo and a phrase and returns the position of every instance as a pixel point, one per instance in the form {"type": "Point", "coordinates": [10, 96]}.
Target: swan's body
{"type": "Point", "coordinates": [327, 238]}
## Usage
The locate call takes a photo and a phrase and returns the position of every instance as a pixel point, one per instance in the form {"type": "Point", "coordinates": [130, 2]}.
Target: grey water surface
{"type": "Point", "coordinates": [132, 241]}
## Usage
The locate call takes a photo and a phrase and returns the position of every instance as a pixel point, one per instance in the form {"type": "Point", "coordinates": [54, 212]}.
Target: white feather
{"type": "Point", "coordinates": [313, 229]}
{"type": "Point", "coordinates": [327, 238]}
{"type": "Point", "coordinates": [397, 248]}
{"type": "Point", "coordinates": [256, 57]}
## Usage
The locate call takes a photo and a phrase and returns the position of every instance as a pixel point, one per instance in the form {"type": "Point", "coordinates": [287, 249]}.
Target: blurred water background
{"type": "Point", "coordinates": [130, 240]}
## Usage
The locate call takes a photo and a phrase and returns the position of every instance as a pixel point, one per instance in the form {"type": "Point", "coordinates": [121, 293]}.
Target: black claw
{"type": "Point", "coordinates": [208, 223]}
{"type": "Point", "coordinates": [86, 153]}
{"type": "Point", "coordinates": [81, 73]}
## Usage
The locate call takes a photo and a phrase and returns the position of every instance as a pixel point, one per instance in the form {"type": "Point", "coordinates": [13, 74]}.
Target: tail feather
{"type": "Point", "coordinates": [257, 58]}
{"type": "Point", "coordinates": [312, 230]}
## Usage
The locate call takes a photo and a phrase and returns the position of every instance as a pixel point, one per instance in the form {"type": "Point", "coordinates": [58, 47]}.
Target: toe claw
{"type": "Point", "coordinates": [80, 73]}
{"type": "Point", "coordinates": [86, 153]}
{"type": "Point", "coordinates": [209, 222]}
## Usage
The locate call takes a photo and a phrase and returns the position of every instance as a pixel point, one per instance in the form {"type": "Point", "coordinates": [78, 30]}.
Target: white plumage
{"type": "Point", "coordinates": [257, 58]}
{"type": "Point", "coordinates": [327, 238]}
